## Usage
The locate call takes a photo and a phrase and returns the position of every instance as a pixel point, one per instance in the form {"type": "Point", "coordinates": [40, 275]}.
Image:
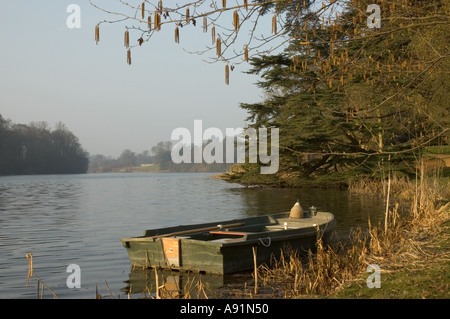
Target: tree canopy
{"type": "Point", "coordinates": [356, 87]}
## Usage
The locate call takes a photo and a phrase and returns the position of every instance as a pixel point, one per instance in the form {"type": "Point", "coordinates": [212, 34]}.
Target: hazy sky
{"type": "Point", "coordinates": [49, 72]}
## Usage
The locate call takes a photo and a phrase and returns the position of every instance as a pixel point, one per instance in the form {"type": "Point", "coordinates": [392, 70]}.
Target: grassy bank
{"type": "Point", "coordinates": [410, 247]}
{"type": "Point", "coordinates": [425, 277]}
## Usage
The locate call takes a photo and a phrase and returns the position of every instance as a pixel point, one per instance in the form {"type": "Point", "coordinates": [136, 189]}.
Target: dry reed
{"type": "Point", "coordinates": [255, 263]}
{"type": "Point", "coordinates": [316, 273]}
{"type": "Point", "coordinates": [31, 272]}
{"type": "Point", "coordinates": [168, 288]}
{"type": "Point", "coordinates": [397, 241]}
{"type": "Point", "coordinates": [199, 291]}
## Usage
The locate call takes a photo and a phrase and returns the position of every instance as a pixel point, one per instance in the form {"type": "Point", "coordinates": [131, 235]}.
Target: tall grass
{"type": "Point", "coordinates": [414, 214]}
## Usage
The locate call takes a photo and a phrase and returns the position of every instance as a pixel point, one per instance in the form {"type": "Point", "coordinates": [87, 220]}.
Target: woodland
{"type": "Point", "coordinates": [37, 149]}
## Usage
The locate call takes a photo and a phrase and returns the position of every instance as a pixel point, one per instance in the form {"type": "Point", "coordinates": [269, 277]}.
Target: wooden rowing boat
{"type": "Point", "coordinates": [226, 247]}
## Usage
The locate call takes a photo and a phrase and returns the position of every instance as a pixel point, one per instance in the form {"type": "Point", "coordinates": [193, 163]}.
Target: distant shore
{"type": "Point", "coordinates": [155, 168]}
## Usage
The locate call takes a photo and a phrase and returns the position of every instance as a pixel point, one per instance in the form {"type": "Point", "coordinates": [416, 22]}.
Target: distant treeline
{"type": "Point", "coordinates": [160, 156]}
{"type": "Point", "coordinates": [36, 149]}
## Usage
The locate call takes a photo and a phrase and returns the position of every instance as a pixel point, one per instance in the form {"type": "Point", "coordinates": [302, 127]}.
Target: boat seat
{"type": "Point", "coordinates": [226, 240]}
{"type": "Point", "coordinates": [219, 232]}
{"type": "Point", "coordinates": [281, 227]}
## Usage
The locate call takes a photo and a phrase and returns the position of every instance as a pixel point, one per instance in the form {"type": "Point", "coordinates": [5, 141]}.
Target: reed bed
{"type": "Point", "coordinates": [318, 273]}
{"type": "Point", "coordinates": [401, 239]}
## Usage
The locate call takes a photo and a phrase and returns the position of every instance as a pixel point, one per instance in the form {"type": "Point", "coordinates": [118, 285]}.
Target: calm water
{"type": "Point", "coordinates": [78, 219]}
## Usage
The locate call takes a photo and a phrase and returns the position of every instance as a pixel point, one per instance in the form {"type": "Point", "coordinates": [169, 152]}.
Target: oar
{"type": "Point", "coordinates": [184, 232]}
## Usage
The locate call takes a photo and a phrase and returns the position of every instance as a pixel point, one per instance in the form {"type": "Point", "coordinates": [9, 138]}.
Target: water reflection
{"type": "Point", "coordinates": [173, 284]}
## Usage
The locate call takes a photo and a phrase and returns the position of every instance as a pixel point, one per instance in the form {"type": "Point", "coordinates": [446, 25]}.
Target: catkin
{"type": "Point", "coordinates": [126, 40]}
{"type": "Point", "coordinates": [187, 15]}
{"type": "Point", "coordinates": [143, 10]}
{"type": "Point", "coordinates": [157, 21]}
{"type": "Point", "coordinates": [205, 24]}
{"type": "Point", "coordinates": [227, 74]}
{"type": "Point", "coordinates": [246, 53]}
{"type": "Point", "coordinates": [218, 47]}
{"type": "Point", "coordinates": [97, 33]}
{"type": "Point", "coordinates": [149, 22]}
{"type": "Point", "coordinates": [224, 3]}
{"type": "Point", "coordinates": [213, 35]}
{"type": "Point", "coordinates": [274, 24]}
{"type": "Point", "coordinates": [129, 57]}
{"type": "Point", "coordinates": [177, 35]}
{"type": "Point", "coordinates": [236, 20]}
{"type": "Point", "coordinates": [245, 5]}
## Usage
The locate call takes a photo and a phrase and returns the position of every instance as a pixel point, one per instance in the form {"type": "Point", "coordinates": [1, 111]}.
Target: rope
{"type": "Point", "coordinates": [269, 242]}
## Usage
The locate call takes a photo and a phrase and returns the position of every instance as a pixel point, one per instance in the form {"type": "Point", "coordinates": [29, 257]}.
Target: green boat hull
{"type": "Point", "coordinates": [216, 249]}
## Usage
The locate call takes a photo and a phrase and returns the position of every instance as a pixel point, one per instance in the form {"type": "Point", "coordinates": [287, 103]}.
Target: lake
{"type": "Point", "coordinates": [78, 219]}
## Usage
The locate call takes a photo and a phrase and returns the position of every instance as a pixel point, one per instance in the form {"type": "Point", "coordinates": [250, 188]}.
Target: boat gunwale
{"type": "Point", "coordinates": [324, 224]}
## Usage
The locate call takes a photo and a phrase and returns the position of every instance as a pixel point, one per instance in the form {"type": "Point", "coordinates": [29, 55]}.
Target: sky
{"type": "Point", "coordinates": [50, 72]}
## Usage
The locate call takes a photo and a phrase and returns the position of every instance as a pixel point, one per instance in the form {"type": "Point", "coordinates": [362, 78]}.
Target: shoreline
{"type": "Point", "coordinates": [410, 251]}
{"type": "Point", "coordinates": [427, 277]}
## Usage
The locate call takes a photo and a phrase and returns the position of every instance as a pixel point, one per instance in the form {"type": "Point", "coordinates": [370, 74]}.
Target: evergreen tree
{"type": "Point", "coordinates": [350, 101]}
